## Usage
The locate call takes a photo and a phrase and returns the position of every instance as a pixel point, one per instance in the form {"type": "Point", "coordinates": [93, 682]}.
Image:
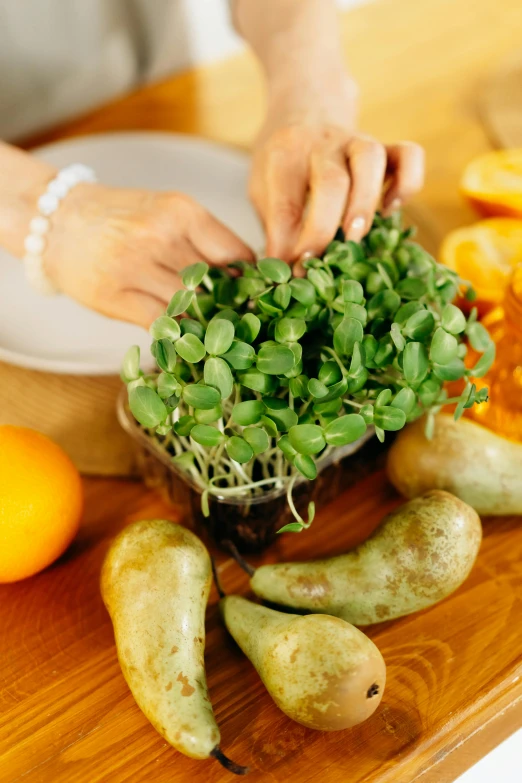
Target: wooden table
{"type": "Point", "coordinates": [454, 672]}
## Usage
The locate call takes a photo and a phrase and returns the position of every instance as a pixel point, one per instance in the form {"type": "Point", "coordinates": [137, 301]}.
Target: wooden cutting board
{"type": "Point", "coordinates": [454, 684]}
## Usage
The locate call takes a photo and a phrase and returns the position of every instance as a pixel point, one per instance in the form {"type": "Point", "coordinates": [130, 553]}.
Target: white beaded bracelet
{"type": "Point", "coordinates": [36, 241]}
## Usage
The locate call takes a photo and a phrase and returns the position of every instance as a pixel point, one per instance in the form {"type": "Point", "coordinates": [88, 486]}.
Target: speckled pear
{"type": "Point", "coordinates": [155, 584]}
{"type": "Point", "coordinates": [320, 670]}
{"type": "Point", "coordinates": [463, 457]}
{"type": "Point", "coordinates": [419, 554]}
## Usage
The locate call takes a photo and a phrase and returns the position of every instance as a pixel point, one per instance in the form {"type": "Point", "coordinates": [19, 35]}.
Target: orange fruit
{"type": "Point", "coordinates": [493, 183]}
{"type": "Point", "coordinates": [41, 502]}
{"type": "Point", "coordinates": [485, 254]}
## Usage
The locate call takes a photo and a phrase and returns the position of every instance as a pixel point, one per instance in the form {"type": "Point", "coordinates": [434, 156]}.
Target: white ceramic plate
{"type": "Point", "coordinates": [56, 334]}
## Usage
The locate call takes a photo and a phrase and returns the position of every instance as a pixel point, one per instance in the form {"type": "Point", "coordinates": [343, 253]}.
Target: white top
{"type": "Point", "coordinates": [59, 58]}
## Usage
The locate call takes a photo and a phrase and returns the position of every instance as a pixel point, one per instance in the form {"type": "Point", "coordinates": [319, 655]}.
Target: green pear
{"type": "Point", "coordinates": [419, 554]}
{"type": "Point", "coordinates": [475, 464]}
{"type": "Point", "coordinates": [320, 670]}
{"type": "Point", "coordinates": [155, 584]}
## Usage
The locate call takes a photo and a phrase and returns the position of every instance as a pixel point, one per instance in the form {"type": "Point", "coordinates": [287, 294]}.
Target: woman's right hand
{"type": "Point", "coordinates": [122, 251]}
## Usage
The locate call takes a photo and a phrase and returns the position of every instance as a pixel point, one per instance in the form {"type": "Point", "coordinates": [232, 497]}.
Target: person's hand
{"type": "Point", "coordinates": [121, 251]}
{"type": "Point", "coordinates": [312, 172]}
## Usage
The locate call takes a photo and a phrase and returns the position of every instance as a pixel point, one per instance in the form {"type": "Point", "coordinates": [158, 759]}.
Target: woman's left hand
{"type": "Point", "coordinates": [313, 172]}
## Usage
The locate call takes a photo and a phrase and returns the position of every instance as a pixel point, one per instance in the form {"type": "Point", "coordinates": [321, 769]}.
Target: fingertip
{"type": "Point", "coordinates": [356, 227]}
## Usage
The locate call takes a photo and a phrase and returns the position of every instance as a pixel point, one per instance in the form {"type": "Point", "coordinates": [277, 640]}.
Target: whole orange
{"type": "Point", "coordinates": [41, 502]}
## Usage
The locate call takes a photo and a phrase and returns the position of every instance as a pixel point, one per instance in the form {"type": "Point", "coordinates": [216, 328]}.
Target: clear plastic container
{"type": "Point", "coordinates": [251, 523]}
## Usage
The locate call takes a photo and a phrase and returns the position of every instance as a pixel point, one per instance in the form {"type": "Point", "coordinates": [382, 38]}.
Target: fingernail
{"type": "Point", "coordinates": [394, 205]}
{"type": "Point", "coordinates": [305, 255]}
{"type": "Point", "coordinates": [358, 224]}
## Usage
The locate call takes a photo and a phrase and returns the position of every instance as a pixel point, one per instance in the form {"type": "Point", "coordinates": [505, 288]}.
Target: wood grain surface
{"type": "Point", "coordinates": [455, 671]}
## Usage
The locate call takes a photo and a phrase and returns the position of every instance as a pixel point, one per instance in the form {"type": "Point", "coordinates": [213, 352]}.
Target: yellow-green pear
{"type": "Point", "coordinates": [155, 584]}
{"type": "Point", "coordinates": [419, 554]}
{"type": "Point", "coordinates": [463, 457]}
{"type": "Point", "coordinates": [320, 670]}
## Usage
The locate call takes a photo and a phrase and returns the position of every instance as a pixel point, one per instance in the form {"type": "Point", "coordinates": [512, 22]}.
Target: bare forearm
{"type": "Point", "coordinates": [298, 45]}
{"type": "Point", "coordinates": [22, 180]}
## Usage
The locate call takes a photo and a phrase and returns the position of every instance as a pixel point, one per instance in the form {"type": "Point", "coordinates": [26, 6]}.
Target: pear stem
{"type": "Point", "coordinates": [217, 580]}
{"type": "Point", "coordinates": [237, 769]}
{"type": "Point", "coordinates": [242, 563]}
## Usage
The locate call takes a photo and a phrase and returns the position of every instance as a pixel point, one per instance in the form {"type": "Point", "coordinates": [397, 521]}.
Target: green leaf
{"type": "Point", "coordinates": [332, 406]}
{"type": "Point", "coordinates": [348, 333]}
{"type": "Point", "coordinates": [168, 385]}
{"type": "Point", "coordinates": [330, 373]}
{"type": "Point", "coordinates": [396, 335]}
{"type": "Point", "coordinates": [323, 283]}
{"type": "Point", "coordinates": [317, 389]}
{"type": "Point", "coordinates": [415, 363]}
{"type": "Point", "coordinates": [291, 527]}
{"type": "Point", "coordinates": [184, 425]}
{"type": "Point", "coordinates": [336, 390]}
{"type": "Point", "coordinates": [286, 447]}
{"type": "Point", "coordinates": [190, 326]}
{"type": "Point", "coordinates": [282, 295]}
{"type": "Point", "coordinates": [200, 396]}
{"type": "Point", "coordinates": [206, 435]}
{"type": "Point", "coordinates": [419, 325]}
{"type": "Point", "coordinates": [383, 304]}
{"type": "Point", "coordinates": [208, 416]}
{"type": "Point", "coordinates": [227, 315]}
{"type": "Point", "coordinates": [389, 418]}
{"type": "Point", "coordinates": [367, 413]}
{"type": "Point", "coordinates": [485, 362]}
{"type": "Point", "coordinates": [405, 400]}
{"type": "Point", "coordinates": [240, 356]}
{"type": "Point", "coordinates": [384, 398]}
{"type": "Point", "coordinates": [411, 288]}
{"type": "Point", "coordinates": [267, 305]}
{"type": "Point", "coordinates": [452, 371]}
{"type": "Point", "coordinates": [164, 327]}
{"type": "Point", "coordinates": [297, 310]}
{"type": "Point", "coordinates": [257, 438]}
{"type": "Point", "coordinates": [219, 336]}
{"type": "Point", "coordinates": [147, 407]}
{"type": "Point", "coordinates": [284, 417]}
{"type": "Point", "coordinates": [352, 291]}
{"type": "Point", "coordinates": [306, 466]}
{"type": "Point", "coordinates": [274, 270]}
{"type": "Point", "coordinates": [370, 347]}
{"type": "Point", "coordinates": [299, 387]}
{"type": "Point", "coordinates": [194, 274]}
{"type": "Point", "coordinates": [444, 347]}
{"type": "Point", "coordinates": [238, 449]}
{"type": "Point", "coordinates": [248, 412]}
{"type": "Point", "coordinates": [357, 311]}
{"type": "Point", "coordinates": [453, 319]}
{"type": "Point", "coordinates": [307, 438]}
{"type": "Point", "coordinates": [248, 328]}
{"type": "Point", "coordinates": [180, 303]}
{"type": "Point", "coordinates": [288, 330]}
{"type": "Point", "coordinates": [275, 360]}
{"type": "Point", "coordinates": [478, 336]}
{"type": "Point", "coordinates": [165, 354]}
{"type": "Point", "coordinates": [303, 291]}
{"type": "Point", "coordinates": [217, 373]}
{"type": "Point", "coordinates": [258, 381]}
{"type": "Point", "coordinates": [270, 426]}
{"type": "Point", "coordinates": [406, 311]}
{"type": "Point", "coordinates": [130, 370]}
{"type": "Point", "coordinates": [345, 429]}
{"type": "Point", "coordinates": [190, 348]}
{"type": "Point", "coordinates": [429, 391]}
